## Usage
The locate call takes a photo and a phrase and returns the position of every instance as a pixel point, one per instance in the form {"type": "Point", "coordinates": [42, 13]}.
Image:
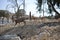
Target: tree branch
{"type": "Point", "coordinates": [54, 9]}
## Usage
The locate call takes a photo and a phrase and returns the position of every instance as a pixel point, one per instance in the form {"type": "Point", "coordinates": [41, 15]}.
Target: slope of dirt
{"type": "Point", "coordinates": [28, 31]}
{"type": "Point", "coordinates": [36, 30]}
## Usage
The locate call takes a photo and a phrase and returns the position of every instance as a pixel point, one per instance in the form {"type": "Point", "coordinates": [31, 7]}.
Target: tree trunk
{"type": "Point", "coordinates": [2, 20]}
{"type": "Point", "coordinates": [30, 15]}
{"type": "Point", "coordinates": [54, 9]}
{"type": "Point", "coordinates": [57, 13]}
{"type": "Point", "coordinates": [7, 20]}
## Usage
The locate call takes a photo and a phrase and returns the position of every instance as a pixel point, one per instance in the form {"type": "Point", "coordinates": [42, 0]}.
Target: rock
{"type": "Point", "coordinates": [44, 35]}
{"type": "Point", "coordinates": [10, 37]}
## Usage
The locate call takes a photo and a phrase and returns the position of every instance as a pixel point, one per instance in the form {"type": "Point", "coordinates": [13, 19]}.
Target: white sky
{"type": "Point", "coordinates": [30, 5]}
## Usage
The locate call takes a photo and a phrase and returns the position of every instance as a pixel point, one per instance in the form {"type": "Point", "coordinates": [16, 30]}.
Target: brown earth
{"type": "Point", "coordinates": [37, 30]}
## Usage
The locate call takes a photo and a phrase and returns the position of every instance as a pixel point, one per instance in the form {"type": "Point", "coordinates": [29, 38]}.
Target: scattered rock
{"type": "Point", "coordinates": [10, 37]}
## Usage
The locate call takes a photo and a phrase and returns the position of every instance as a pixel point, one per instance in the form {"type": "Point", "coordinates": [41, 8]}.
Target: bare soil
{"type": "Point", "coordinates": [36, 30]}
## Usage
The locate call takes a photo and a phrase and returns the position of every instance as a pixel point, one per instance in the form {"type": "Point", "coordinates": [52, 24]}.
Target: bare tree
{"type": "Point", "coordinates": [51, 6]}
{"type": "Point", "coordinates": [16, 6]}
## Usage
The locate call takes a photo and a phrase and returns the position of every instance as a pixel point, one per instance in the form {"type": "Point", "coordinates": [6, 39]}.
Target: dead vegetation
{"type": "Point", "coordinates": [5, 27]}
{"type": "Point", "coordinates": [37, 30]}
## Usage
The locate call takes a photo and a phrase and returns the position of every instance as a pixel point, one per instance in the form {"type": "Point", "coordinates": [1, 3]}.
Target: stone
{"type": "Point", "coordinates": [10, 37]}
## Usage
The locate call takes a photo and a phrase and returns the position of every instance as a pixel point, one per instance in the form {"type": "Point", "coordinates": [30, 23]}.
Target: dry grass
{"type": "Point", "coordinates": [5, 27]}
{"type": "Point", "coordinates": [46, 32]}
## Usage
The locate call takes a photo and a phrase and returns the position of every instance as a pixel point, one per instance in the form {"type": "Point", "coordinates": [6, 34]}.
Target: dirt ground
{"type": "Point", "coordinates": [34, 29]}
